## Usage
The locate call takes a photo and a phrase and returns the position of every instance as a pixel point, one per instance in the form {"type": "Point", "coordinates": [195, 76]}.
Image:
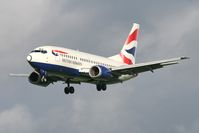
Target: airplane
{"type": "Point", "coordinates": [52, 64]}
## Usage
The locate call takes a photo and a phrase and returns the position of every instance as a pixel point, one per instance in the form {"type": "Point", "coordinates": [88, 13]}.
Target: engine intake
{"type": "Point", "coordinates": [36, 78]}
{"type": "Point", "coordinates": [100, 72]}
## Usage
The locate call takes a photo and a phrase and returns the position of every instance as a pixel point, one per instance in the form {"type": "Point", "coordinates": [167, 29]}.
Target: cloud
{"type": "Point", "coordinates": [170, 32]}
{"type": "Point", "coordinates": [16, 120]}
{"type": "Point", "coordinates": [193, 128]}
{"type": "Point", "coordinates": [19, 19]}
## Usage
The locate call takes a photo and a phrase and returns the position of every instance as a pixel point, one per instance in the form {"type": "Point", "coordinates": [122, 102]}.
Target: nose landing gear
{"type": "Point", "coordinates": [69, 89]}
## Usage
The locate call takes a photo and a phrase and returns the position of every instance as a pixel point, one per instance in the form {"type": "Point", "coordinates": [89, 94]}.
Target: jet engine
{"type": "Point", "coordinates": [100, 72]}
{"type": "Point", "coordinates": [38, 79]}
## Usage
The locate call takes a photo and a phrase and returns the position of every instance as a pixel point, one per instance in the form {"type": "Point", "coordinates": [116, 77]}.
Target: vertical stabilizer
{"type": "Point", "coordinates": [127, 54]}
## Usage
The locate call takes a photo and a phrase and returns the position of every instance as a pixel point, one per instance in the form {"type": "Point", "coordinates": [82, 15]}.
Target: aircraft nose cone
{"type": "Point", "coordinates": [29, 58]}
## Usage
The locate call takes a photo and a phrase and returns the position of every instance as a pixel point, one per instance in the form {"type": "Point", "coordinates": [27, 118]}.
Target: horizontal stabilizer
{"type": "Point", "coordinates": [18, 75]}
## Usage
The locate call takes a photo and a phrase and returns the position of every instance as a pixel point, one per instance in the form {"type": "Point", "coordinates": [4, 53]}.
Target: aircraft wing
{"type": "Point", "coordinates": [143, 67]}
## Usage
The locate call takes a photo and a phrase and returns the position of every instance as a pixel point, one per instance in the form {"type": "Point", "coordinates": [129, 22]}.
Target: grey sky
{"type": "Point", "coordinates": [166, 101]}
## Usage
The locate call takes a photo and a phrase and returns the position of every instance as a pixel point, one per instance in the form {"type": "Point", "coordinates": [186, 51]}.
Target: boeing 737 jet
{"type": "Point", "coordinates": [52, 64]}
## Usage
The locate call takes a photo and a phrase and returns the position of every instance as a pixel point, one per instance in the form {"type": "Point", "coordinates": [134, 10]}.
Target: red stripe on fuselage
{"type": "Point", "coordinates": [125, 59]}
{"type": "Point", "coordinates": [132, 37]}
{"type": "Point", "coordinates": [59, 51]}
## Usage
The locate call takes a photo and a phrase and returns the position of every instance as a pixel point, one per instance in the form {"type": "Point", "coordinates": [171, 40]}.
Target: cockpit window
{"type": "Point", "coordinates": [39, 51]}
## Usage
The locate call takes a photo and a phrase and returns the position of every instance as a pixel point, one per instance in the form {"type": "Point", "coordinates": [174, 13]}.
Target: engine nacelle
{"type": "Point", "coordinates": [100, 72]}
{"type": "Point", "coordinates": [37, 79]}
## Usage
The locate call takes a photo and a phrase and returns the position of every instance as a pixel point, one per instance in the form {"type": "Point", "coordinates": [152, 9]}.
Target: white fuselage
{"type": "Point", "coordinates": [66, 63]}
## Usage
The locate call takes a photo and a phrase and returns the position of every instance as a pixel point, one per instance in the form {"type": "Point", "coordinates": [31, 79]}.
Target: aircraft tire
{"type": "Point", "coordinates": [66, 90]}
{"type": "Point", "coordinates": [71, 90]}
{"type": "Point", "coordinates": [99, 88]}
{"type": "Point", "coordinates": [103, 87]}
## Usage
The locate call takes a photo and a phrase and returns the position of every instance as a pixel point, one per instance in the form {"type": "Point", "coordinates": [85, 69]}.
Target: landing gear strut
{"type": "Point", "coordinates": [101, 87]}
{"type": "Point", "coordinates": [69, 89]}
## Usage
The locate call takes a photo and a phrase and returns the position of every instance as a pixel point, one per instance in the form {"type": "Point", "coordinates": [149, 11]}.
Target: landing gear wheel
{"type": "Point", "coordinates": [71, 90]}
{"type": "Point", "coordinates": [101, 87]}
{"type": "Point", "coordinates": [66, 90]}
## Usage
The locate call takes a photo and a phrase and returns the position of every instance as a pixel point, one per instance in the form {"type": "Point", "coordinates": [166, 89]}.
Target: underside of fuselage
{"type": "Point", "coordinates": [63, 73]}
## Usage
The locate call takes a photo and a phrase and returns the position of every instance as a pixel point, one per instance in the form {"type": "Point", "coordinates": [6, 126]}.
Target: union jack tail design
{"type": "Point", "coordinates": [127, 54]}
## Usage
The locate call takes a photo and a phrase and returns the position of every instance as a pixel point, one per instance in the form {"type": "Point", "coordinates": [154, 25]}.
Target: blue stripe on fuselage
{"type": "Point", "coordinates": [55, 68]}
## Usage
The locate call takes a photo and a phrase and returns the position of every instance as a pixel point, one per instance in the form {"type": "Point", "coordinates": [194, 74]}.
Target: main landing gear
{"type": "Point", "coordinates": [101, 87]}
{"type": "Point", "coordinates": [69, 89]}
